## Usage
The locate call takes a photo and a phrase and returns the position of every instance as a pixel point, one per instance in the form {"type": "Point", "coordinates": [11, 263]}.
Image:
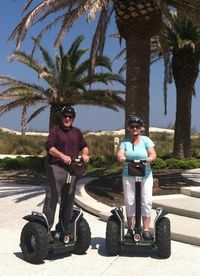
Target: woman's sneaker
{"type": "Point", "coordinates": [147, 235]}
{"type": "Point", "coordinates": [129, 234]}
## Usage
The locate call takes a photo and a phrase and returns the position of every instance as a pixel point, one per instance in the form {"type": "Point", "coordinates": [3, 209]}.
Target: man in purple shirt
{"type": "Point", "coordinates": [65, 142]}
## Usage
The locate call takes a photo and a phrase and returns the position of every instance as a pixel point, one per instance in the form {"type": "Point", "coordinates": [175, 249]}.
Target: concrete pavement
{"type": "Point", "coordinates": [18, 200]}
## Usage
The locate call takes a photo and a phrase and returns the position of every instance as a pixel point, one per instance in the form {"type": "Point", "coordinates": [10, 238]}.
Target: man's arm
{"type": "Point", "coordinates": [66, 159]}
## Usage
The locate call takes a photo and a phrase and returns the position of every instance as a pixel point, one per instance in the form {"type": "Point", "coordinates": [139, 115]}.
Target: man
{"type": "Point", "coordinates": [65, 142]}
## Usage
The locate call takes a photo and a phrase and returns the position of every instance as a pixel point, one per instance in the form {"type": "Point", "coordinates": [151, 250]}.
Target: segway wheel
{"type": "Point", "coordinates": [113, 245]}
{"type": "Point", "coordinates": [84, 237]}
{"type": "Point", "coordinates": [164, 238]}
{"type": "Point", "coordinates": [34, 242]}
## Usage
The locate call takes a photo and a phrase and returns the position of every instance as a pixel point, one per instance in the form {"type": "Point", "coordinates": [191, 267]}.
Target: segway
{"type": "Point", "coordinates": [37, 241]}
{"type": "Point", "coordinates": [161, 239]}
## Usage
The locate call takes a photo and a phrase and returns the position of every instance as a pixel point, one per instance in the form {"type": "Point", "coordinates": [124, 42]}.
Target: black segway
{"type": "Point", "coordinates": [37, 241]}
{"type": "Point", "coordinates": [115, 226]}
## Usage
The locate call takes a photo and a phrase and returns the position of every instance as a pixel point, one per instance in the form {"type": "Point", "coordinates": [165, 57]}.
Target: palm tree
{"type": "Point", "coordinates": [137, 22]}
{"type": "Point", "coordinates": [67, 82]}
{"type": "Point", "coordinates": [184, 42]}
{"type": "Point", "coordinates": [184, 46]}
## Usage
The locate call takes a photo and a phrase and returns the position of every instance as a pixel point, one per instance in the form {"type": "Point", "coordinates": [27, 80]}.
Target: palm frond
{"type": "Point", "coordinates": [105, 98]}
{"type": "Point", "coordinates": [48, 60]}
{"type": "Point", "coordinates": [98, 40]}
{"type": "Point", "coordinates": [20, 101]}
{"type": "Point", "coordinates": [37, 112]}
{"type": "Point", "coordinates": [191, 8]}
{"type": "Point", "coordinates": [26, 59]}
{"type": "Point", "coordinates": [68, 20]}
{"type": "Point", "coordinates": [47, 28]}
{"type": "Point", "coordinates": [104, 78]}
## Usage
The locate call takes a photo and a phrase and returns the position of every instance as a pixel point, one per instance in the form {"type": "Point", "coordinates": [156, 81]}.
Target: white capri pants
{"type": "Point", "coordinates": [146, 195]}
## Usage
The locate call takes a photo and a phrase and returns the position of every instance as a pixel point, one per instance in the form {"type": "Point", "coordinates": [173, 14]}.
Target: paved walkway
{"type": "Point", "coordinates": [19, 200]}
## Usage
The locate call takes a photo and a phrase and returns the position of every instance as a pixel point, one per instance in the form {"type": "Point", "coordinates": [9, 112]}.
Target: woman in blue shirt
{"type": "Point", "coordinates": [137, 147]}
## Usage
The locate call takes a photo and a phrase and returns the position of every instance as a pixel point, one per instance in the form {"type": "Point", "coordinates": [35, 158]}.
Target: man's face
{"type": "Point", "coordinates": [67, 119]}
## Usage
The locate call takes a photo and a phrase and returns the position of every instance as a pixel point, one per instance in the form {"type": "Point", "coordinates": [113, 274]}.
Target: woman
{"type": "Point", "coordinates": [138, 147]}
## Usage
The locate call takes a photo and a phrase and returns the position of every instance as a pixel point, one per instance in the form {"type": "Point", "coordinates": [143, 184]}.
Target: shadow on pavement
{"type": "Point", "coordinates": [24, 192]}
{"type": "Point", "coordinates": [98, 244]}
{"type": "Point", "coordinates": [139, 251]}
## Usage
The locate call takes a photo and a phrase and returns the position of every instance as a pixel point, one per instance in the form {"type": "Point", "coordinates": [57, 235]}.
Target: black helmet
{"type": "Point", "coordinates": [68, 109]}
{"type": "Point", "coordinates": [135, 119]}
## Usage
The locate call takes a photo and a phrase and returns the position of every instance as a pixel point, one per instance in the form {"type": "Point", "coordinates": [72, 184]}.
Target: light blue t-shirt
{"type": "Point", "coordinates": [136, 152]}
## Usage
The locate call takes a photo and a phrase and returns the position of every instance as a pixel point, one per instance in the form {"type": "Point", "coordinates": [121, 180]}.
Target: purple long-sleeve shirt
{"type": "Point", "coordinates": [70, 142]}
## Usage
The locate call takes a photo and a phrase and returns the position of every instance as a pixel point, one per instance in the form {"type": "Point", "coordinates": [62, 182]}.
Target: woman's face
{"type": "Point", "coordinates": [134, 129]}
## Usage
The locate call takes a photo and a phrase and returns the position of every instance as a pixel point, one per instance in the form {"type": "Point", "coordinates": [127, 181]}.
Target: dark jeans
{"type": "Point", "coordinates": [57, 186]}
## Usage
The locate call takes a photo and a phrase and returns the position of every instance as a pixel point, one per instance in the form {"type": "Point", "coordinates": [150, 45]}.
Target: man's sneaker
{"type": "Point", "coordinates": [147, 235]}
{"type": "Point", "coordinates": [129, 235]}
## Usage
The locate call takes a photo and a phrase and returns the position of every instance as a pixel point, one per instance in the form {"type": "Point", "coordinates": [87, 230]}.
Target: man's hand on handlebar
{"type": "Point", "coordinates": [66, 159]}
{"type": "Point", "coordinates": [85, 158]}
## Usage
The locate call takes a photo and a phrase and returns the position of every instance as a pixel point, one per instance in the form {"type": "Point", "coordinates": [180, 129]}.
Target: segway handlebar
{"type": "Point", "coordinates": [76, 167]}
{"type": "Point", "coordinates": [77, 161]}
{"type": "Point", "coordinates": [136, 161]}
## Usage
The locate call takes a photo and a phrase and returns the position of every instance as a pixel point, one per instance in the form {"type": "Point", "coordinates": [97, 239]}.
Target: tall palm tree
{"type": "Point", "coordinates": [137, 22]}
{"type": "Point", "coordinates": [67, 82]}
{"type": "Point", "coordinates": [184, 42]}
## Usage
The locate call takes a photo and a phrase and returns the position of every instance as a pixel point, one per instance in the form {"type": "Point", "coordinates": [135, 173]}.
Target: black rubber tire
{"type": "Point", "coordinates": [164, 238]}
{"type": "Point", "coordinates": [34, 242]}
{"type": "Point", "coordinates": [84, 237]}
{"type": "Point", "coordinates": [113, 245]}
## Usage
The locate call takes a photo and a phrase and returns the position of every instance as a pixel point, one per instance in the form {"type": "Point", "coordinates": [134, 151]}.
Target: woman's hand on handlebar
{"type": "Point", "coordinates": [149, 160]}
{"type": "Point", "coordinates": [121, 159]}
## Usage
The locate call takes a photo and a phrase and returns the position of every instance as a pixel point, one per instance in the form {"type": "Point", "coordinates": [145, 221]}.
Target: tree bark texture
{"type": "Point", "coordinates": [185, 68]}
{"type": "Point", "coordinates": [137, 78]}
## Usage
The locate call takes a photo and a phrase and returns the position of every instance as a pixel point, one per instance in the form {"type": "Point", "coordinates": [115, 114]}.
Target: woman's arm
{"type": "Point", "coordinates": [151, 155]}
{"type": "Point", "coordinates": [121, 156]}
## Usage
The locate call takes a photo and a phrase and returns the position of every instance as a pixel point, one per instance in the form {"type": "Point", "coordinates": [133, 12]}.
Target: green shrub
{"type": "Point", "coordinates": [159, 164]}
{"type": "Point", "coordinates": [192, 163]}
{"type": "Point", "coordinates": [173, 163]}
{"type": "Point", "coordinates": [98, 161]}
{"type": "Point", "coordinates": [31, 163]}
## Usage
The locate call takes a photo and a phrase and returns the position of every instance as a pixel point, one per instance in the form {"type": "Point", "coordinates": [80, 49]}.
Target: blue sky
{"type": "Point", "coordinates": [88, 118]}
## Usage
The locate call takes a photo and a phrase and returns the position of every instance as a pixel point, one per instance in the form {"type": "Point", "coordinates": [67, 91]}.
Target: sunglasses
{"type": "Point", "coordinates": [135, 126]}
{"type": "Point", "coordinates": [68, 116]}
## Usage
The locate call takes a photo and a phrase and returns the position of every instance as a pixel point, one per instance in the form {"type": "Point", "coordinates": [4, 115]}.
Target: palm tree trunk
{"type": "Point", "coordinates": [185, 72]}
{"type": "Point", "coordinates": [24, 120]}
{"type": "Point", "coordinates": [54, 115]}
{"type": "Point", "coordinates": [137, 22]}
{"type": "Point", "coordinates": [183, 122]}
{"type": "Point", "coordinates": [137, 76]}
